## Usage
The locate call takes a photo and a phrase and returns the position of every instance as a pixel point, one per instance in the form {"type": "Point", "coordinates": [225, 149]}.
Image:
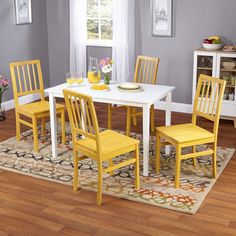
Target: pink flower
{"type": "Point", "coordinates": [3, 82]}
{"type": "Point", "coordinates": [105, 62]}
{"type": "Point", "coordinates": [102, 63]}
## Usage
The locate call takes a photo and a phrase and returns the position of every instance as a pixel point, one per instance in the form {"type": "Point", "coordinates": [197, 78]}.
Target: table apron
{"type": "Point", "coordinates": [126, 103]}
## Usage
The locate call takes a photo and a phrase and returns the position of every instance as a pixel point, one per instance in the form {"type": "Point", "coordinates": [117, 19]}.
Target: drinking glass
{"type": "Point", "coordinates": [70, 78]}
{"type": "Point", "coordinates": [79, 79]}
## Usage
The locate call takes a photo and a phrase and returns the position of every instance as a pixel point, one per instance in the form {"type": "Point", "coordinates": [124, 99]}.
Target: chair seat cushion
{"type": "Point", "coordinates": [112, 144]}
{"type": "Point", "coordinates": [37, 107]}
{"type": "Point", "coordinates": [184, 133]}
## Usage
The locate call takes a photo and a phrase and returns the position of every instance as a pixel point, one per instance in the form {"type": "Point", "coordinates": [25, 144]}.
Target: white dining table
{"type": "Point", "coordinates": [143, 99]}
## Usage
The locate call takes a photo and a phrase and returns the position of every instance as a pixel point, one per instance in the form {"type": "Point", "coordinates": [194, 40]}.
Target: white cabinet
{"type": "Point", "coordinates": [219, 64]}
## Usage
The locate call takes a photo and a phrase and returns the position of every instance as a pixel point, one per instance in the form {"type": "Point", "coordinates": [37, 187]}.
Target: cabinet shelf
{"type": "Point", "coordinates": [230, 86]}
{"type": "Point", "coordinates": [204, 68]}
{"type": "Point", "coordinates": [232, 70]}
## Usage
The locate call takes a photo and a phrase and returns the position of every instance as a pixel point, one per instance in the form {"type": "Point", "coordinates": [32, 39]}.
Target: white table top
{"type": "Point", "coordinates": [149, 95]}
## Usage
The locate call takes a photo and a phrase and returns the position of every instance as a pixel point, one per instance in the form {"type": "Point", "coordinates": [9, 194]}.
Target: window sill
{"type": "Point", "coordinates": [99, 43]}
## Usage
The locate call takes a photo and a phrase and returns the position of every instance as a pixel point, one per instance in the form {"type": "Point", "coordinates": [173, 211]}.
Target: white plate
{"type": "Point", "coordinates": [129, 86]}
{"type": "Point", "coordinates": [140, 89]}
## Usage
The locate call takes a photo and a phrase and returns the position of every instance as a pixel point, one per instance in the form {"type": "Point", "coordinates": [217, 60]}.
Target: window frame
{"type": "Point", "coordinates": [98, 42]}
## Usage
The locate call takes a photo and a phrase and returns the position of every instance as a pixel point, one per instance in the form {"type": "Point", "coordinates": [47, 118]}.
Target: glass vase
{"type": "Point", "coordinates": [107, 79]}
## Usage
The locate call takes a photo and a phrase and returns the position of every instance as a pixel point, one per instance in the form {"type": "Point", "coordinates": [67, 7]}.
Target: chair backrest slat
{"type": "Point", "coordinates": [83, 105]}
{"type": "Point", "coordinates": [29, 77]}
{"type": "Point", "coordinates": [24, 77]}
{"type": "Point", "coordinates": [19, 81]}
{"type": "Point", "coordinates": [207, 96]}
{"type": "Point", "coordinates": [146, 70]}
{"type": "Point", "coordinates": [34, 76]}
{"type": "Point", "coordinates": [25, 80]}
{"type": "Point", "coordinates": [208, 99]}
{"type": "Point", "coordinates": [216, 94]}
{"type": "Point", "coordinates": [82, 116]}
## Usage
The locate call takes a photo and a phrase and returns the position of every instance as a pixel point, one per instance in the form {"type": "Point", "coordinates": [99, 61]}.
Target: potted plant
{"type": "Point", "coordinates": [3, 87]}
{"type": "Point", "coordinates": [106, 67]}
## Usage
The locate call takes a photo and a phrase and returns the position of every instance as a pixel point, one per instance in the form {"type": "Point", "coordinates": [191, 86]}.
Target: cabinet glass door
{"type": "Point", "coordinates": [228, 73]}
{"type": "Point", "coordinates": [204, 65]}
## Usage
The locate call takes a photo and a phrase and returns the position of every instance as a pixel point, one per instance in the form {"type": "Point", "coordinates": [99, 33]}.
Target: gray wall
{"type": "Point", "coordinates": [58, 40]}
{"type": "Point", "coordinates": [23, 42]}
{"type": "Point", "coordinates": [193, 21]}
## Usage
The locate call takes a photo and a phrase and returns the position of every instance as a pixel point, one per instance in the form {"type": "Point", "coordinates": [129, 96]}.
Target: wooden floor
{"type": "Point", "coordinates": [30, 206]}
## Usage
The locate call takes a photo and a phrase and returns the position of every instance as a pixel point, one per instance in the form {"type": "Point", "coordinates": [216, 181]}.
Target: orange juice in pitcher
{"type": "Point", "coordinates": [94, 74]}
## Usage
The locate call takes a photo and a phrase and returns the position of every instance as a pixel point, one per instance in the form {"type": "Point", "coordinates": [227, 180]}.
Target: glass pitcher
{"type": "Point", "coordinates": [94, 73]}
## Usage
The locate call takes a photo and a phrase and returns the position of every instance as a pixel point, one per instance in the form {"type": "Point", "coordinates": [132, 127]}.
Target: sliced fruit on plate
{"type": "Point", "coordinates": [100, 87]}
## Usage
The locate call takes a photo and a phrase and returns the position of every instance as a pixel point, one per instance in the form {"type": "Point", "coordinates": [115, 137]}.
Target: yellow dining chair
{"type": "Point", "coordinates": [27, 79]}
{"type": "Point", "coordinates": [146, 73]}
{"type": "Point", "coordinates": [207, 104]}
{"type": "Point", "coordinates": [100, 146]}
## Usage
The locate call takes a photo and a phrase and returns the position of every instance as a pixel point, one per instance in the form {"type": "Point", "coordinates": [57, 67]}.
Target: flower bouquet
{"type": "Point", "coordinates": [106, 67]}
{"type": "Point", "coordinates": [4, 84]}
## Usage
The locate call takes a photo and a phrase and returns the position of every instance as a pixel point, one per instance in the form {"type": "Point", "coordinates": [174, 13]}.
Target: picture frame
{"type": "Point", "coordinates": [23, 12]}
{"type": "Point", "coordinates": [162, 17]}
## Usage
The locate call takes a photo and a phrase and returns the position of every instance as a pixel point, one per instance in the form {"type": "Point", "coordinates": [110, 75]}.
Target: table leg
{"type": "Point", "coordinates": [168, 116]}
{"type": "Point", "coordinates": [53, 124]}
{"type": "Point", "coordinates": [146, 137]}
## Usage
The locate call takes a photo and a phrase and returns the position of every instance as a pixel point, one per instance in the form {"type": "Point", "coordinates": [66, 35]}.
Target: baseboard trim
{"type": "Point", "coordinates": [22, 100]}
{"type": "Point", "coordinates": [177, 107]}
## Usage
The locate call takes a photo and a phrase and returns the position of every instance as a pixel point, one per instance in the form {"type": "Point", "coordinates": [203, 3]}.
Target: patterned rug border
{"type": "Point", "coordinates": [231, 152]}
{"type": "Point", "coordinates": [213, 181]}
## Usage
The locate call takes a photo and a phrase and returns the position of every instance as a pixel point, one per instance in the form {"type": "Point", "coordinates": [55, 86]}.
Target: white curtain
{"type": "Point", "coordinates": [123, 40]}
{"type": "Point", "coordinates": [78, 36]}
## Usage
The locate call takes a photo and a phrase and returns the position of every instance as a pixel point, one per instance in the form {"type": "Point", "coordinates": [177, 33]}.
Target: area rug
{"type": "Point", "coordinates": [156, 189]}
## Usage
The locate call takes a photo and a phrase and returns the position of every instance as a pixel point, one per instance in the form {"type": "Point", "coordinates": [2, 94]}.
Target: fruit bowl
{"type": "Point", "coordinates": [212, 47]}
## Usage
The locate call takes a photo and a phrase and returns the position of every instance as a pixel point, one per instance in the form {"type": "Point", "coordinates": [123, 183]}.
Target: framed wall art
{"type": "Point", "coordinates": [161, 11]}
{"type": "Point", "coordinates": [23, 12]}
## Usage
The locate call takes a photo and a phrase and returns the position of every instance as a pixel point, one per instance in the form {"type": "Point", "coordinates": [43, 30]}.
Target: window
{"type": "Point", "coordinates": [99, 20]}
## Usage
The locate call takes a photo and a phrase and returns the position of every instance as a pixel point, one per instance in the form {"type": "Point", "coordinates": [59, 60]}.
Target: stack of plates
{"type": "Point", "coordinates": [130, 87]}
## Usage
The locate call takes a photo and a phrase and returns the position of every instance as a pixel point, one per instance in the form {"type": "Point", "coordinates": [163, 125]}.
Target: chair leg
{"type": "Point", "coordinates": [194, 158]}
{"type": "Point", "coordinates": [99, 192]}
{"type": "Point", "coordinates": [63, 128]}
{"type": "Point", "coordinates": [158, 152]}
{"type": "Point", "coordinates": [43, 131]}
{"type": "Point", "coordinates": [128, 116]}
{"type": "Point", "coordinates": [152, 119]}
{"type": "Point", "coordinates": [35, 132]}
{"type": "Point", "coordinates": [109, 116]}
{"type": "Point", "coordinates": [177, 167]}
{"type": "Point", "coordinates": [110, 165]}
{"type": "Point", "coordinates": [214, 160]}
{"type": "Point", "coordinates": [17, 127]}
{"type": "Point", "coordinates": [137, 181]}
{"type": "Point", "coordinates": [134, 117]}
{"type": "Point", "coordinates": [76, 176]}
